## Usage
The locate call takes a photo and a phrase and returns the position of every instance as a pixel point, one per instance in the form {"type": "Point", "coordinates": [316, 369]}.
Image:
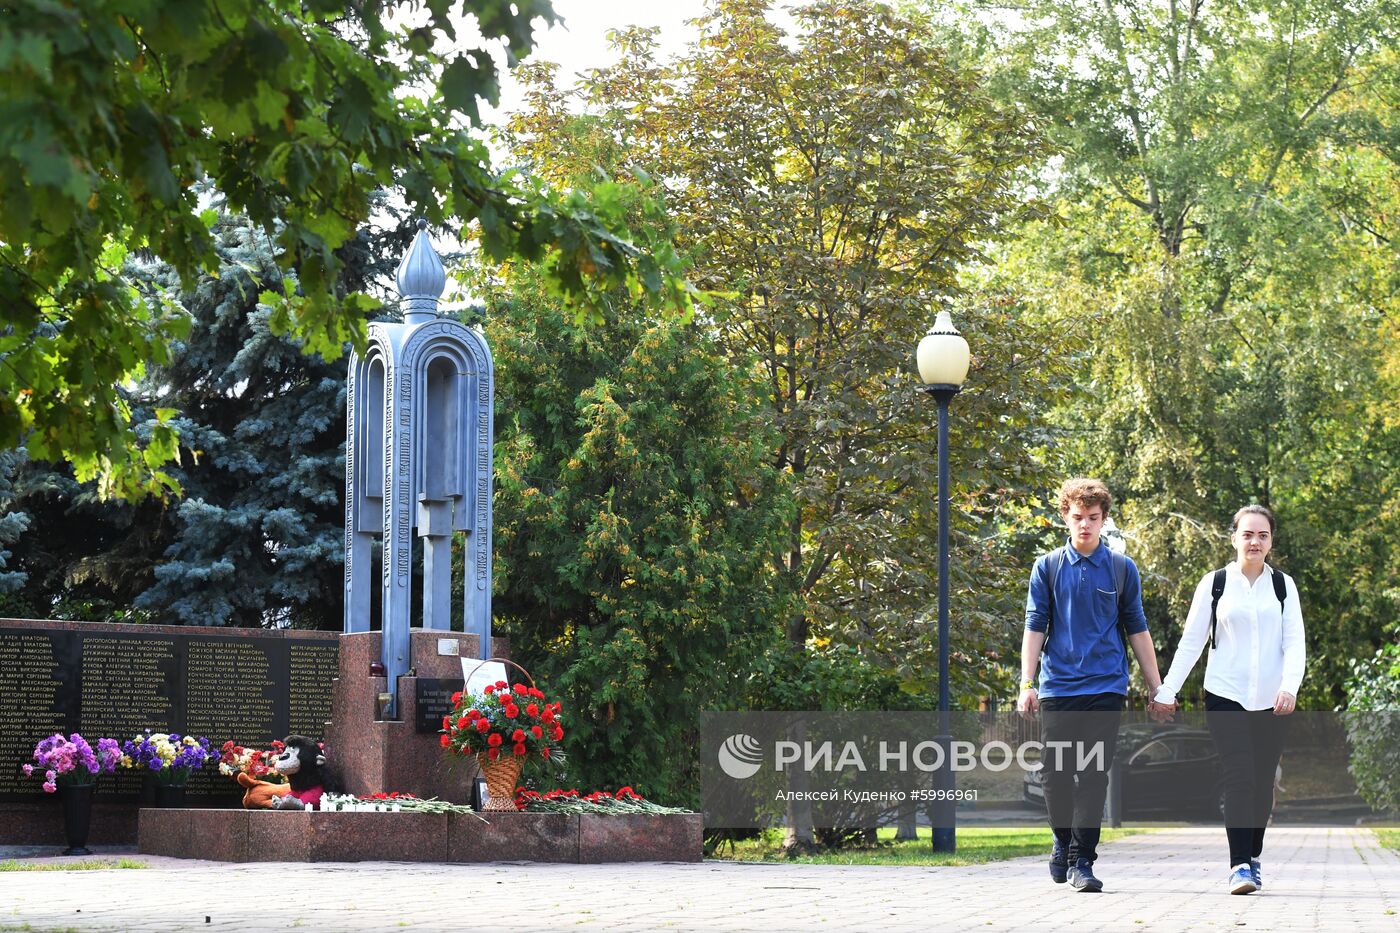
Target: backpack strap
{"type": "Point", "coordinates": [1280, 591]}
{"type": "Point", "coordinates": [1120, 587]}
{"type": "Point", "coordinates": [1053, 562]}
{"type": "Point", "coordinates": [1217, 589]}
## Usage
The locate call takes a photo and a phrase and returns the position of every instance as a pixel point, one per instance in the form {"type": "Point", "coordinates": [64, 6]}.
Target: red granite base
{"type": "Point", "coordinates": [298, 836]}
{"type": "Point", "coordinates": [375, 755]}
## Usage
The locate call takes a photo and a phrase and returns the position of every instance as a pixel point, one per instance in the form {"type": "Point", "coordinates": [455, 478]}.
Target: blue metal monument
{"type": "Point", "coordinates": [418, 460]}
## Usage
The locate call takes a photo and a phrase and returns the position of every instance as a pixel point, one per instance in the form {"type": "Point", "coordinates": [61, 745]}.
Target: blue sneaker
{"type": "Point", "coordinates": [1059, 864]}
{"type": "Point", "coordinates": [1081, 877]}
{"type": "Point", "coordinates": [1258, 878]}
{"type": "Point", "coordinates": [1242, 880]}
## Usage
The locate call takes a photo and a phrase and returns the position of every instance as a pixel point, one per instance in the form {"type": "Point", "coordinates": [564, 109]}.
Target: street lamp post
{"type": "Point", "coordinates": [943, 361]}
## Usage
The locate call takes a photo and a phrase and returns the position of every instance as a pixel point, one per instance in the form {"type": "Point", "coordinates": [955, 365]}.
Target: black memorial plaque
{"type": "Point", "coordinates": [117, 681]}
{"type": "Point", "coordinates": [311, 666]}
{"type": "Point", "coordinates": [235, 688]}
{"type": "Point", "coordinates": [433, 701]}
{"type": "Point", "coordinates": [38, 697]}
{"type": "Point", "coordinates": [128, 684]}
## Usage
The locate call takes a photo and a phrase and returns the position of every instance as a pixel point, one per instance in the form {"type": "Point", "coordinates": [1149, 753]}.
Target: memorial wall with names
{"type": "Point", "coordinates": [116, 681]}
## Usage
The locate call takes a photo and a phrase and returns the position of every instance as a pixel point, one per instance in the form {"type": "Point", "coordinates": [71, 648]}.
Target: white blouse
{"type": "Point", "coordinates": [1259, 650]}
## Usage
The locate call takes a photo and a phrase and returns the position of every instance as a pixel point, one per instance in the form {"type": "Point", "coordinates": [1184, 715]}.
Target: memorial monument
{"type": "Point", "coordinates": [418, 460]}
{"type": "Point", "coordinates": [417, 463]}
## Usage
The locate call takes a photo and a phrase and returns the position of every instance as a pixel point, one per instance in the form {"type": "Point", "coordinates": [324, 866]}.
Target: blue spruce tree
{"type": "Point", "coordinates": [256, 537]}
{"type": "Point", "coordinates": [12, 522]}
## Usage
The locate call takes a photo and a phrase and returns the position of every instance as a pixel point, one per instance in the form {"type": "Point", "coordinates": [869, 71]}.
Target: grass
{"type": "Point", "coordinates": [84, 865]}
{"type": "Point", "coordinates": [1390, 838]}
{"type": "Point", "coordinates": [976, 846]}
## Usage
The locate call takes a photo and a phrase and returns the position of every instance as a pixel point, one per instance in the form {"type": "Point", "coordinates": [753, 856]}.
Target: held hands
{"type": "Point", "coordinates": [1161, 712]}
{"type": "Point", "coordinates": [1284, 703]}
{"type": "Point", "coordinates": [1028, 703]}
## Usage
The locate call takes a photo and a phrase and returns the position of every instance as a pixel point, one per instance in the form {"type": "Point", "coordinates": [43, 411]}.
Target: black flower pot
{"type": "Point", "coordinates": [169, 796]}
{"type": "Point", "coordinates": [164, 789]}
{"type": "Point", "coordinates": [77, 816]}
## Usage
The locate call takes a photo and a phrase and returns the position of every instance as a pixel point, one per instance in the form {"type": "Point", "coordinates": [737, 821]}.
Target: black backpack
{"type": "Point", "coordinates": [1119, 563]}
{"type": "Point", "coordinates": [1217, 589]}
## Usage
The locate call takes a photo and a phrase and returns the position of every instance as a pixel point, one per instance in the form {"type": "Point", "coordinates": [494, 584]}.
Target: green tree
{"type": "Point", "coordinates": [12, 522]}
{"type": "Point", "coordinates": [1223, 252]}
{"type": "Point", "coordinates": [257, 538]}
{"type": "Point", "coordinates": [828, 185]}
{"type": "Point", "coordinates": [111, 113]}
{"type": "Point", "coordinates": [635, 514]}
{"type": "Point", "coordinates": [1373, 726]}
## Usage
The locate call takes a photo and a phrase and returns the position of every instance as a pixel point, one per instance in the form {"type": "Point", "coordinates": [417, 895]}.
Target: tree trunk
{"type": "Point", "coordinates": [908, 822]}
{"type": "Point", "coordinates": [798, 836]}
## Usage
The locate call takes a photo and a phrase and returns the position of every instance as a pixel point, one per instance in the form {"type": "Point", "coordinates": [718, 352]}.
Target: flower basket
{"type": "Point", "coordinates": [502, 727]}
{"type": "Point", "coordinates": [502, 776]}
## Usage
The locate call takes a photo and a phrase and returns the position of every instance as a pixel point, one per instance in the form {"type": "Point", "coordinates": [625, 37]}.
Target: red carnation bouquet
{"type": "Point", "coordinates": [503, 721]}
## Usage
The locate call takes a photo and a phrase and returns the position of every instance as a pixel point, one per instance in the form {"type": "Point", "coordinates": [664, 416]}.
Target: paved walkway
{"type": "Point", "coordinates": [1315, 879]}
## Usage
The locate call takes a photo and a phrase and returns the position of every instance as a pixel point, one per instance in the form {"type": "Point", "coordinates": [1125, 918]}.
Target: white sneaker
{"type": "Point", "coordinates": [1242, 879]}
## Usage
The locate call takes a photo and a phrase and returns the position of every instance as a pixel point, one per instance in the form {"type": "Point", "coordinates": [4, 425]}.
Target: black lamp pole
{"type": "Point", "coordinates": [945, 819]}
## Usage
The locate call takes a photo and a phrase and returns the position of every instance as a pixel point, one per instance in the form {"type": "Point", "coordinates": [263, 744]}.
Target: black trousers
{"type": "Point", "coordinates": [1074, 795]}
{"type": "Point", "coordinates": [1250, 745]}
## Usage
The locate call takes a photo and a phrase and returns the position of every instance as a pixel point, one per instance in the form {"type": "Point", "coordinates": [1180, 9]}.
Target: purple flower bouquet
{"type": "Point", "coordinates": [72, 762]}
{"type": "Point", "coordinates": [169, 756]}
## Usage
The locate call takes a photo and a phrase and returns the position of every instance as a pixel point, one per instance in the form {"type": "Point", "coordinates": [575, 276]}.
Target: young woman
{"type": "Point", "coordinates": [1248, 613]}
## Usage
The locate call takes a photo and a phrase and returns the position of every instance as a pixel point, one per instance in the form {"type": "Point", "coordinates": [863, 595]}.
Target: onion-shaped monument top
{"type": "Point", "coordinates": [421, 278]}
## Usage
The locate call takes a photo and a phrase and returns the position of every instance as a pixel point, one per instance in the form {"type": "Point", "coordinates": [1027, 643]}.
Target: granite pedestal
{"type": "Point", "coordinates": [371, 755]}
{"type": "Point", "coordinates": [313, 836]}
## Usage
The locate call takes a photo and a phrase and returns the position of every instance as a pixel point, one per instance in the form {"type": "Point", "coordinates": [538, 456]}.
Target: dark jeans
{"type": "Point", "coordinates": [1250, 745]}
{"type": "Point", "coordinates": [1074, 796]}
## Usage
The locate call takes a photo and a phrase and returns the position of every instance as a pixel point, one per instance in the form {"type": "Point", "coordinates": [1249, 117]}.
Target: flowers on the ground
{"type": "Point", "coordinates": [625, 800]}
{"type": "Point", "coordinates": [235, 760]}
{"type": "Point", "coordinates": [170, 756]}
{"type": "Point", "coordinates": [502, 720]}
{"type": "Point", "coordinates": [72, 761]}
{"type": "Point", "coordinates": [388, 803]}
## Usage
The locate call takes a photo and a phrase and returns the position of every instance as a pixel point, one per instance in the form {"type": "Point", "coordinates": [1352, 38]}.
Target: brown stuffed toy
{"type": "Point", "coordinates": [261, 795]}
{"type": "Point", "coordinates": [303, 764]}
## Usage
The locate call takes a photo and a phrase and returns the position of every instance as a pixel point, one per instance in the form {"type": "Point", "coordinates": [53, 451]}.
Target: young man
{"type": "Point", "coordinates": [1083, 610]}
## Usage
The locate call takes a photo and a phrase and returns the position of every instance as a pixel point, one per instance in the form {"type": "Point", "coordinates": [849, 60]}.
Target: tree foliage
{"type": "Point", "coordinates": [828, 187]}
{"type": "Point", "coordinates": [1373, 727]}
{"type": "Point", "coordinates": [1223, 251]}
{"type": "Point", "coordinates": [12, 521]}
{"type": "Point", "coordinates": [257, 538]}
{"type": "Point", "coordinates": [635, 514]}
{"type": "Point", "coordinates": [111, 113]}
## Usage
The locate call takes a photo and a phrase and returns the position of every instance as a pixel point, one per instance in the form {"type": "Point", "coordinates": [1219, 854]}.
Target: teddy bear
{"type": "Point", "coordinates": [304, 766]}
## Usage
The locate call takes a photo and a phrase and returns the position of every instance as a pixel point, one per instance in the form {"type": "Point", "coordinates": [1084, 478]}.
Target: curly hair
{"type": "Point", "coordinates": [1085, 492]}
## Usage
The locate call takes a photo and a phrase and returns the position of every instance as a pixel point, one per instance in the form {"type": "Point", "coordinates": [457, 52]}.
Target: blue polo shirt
{"type": "Point", "coordinates": [1084, 653]}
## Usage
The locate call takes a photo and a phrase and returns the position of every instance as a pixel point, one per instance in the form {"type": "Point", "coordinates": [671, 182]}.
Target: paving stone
{"type": "Point", "coordinates": [1315, 879]}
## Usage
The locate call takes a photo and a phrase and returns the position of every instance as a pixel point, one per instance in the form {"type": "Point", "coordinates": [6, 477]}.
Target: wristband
{"type": "Point", "coordinates": [1027, 685]}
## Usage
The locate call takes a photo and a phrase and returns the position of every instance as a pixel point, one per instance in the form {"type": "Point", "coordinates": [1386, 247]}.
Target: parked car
{"type": "Point", "coordinates": [1168, 772]}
